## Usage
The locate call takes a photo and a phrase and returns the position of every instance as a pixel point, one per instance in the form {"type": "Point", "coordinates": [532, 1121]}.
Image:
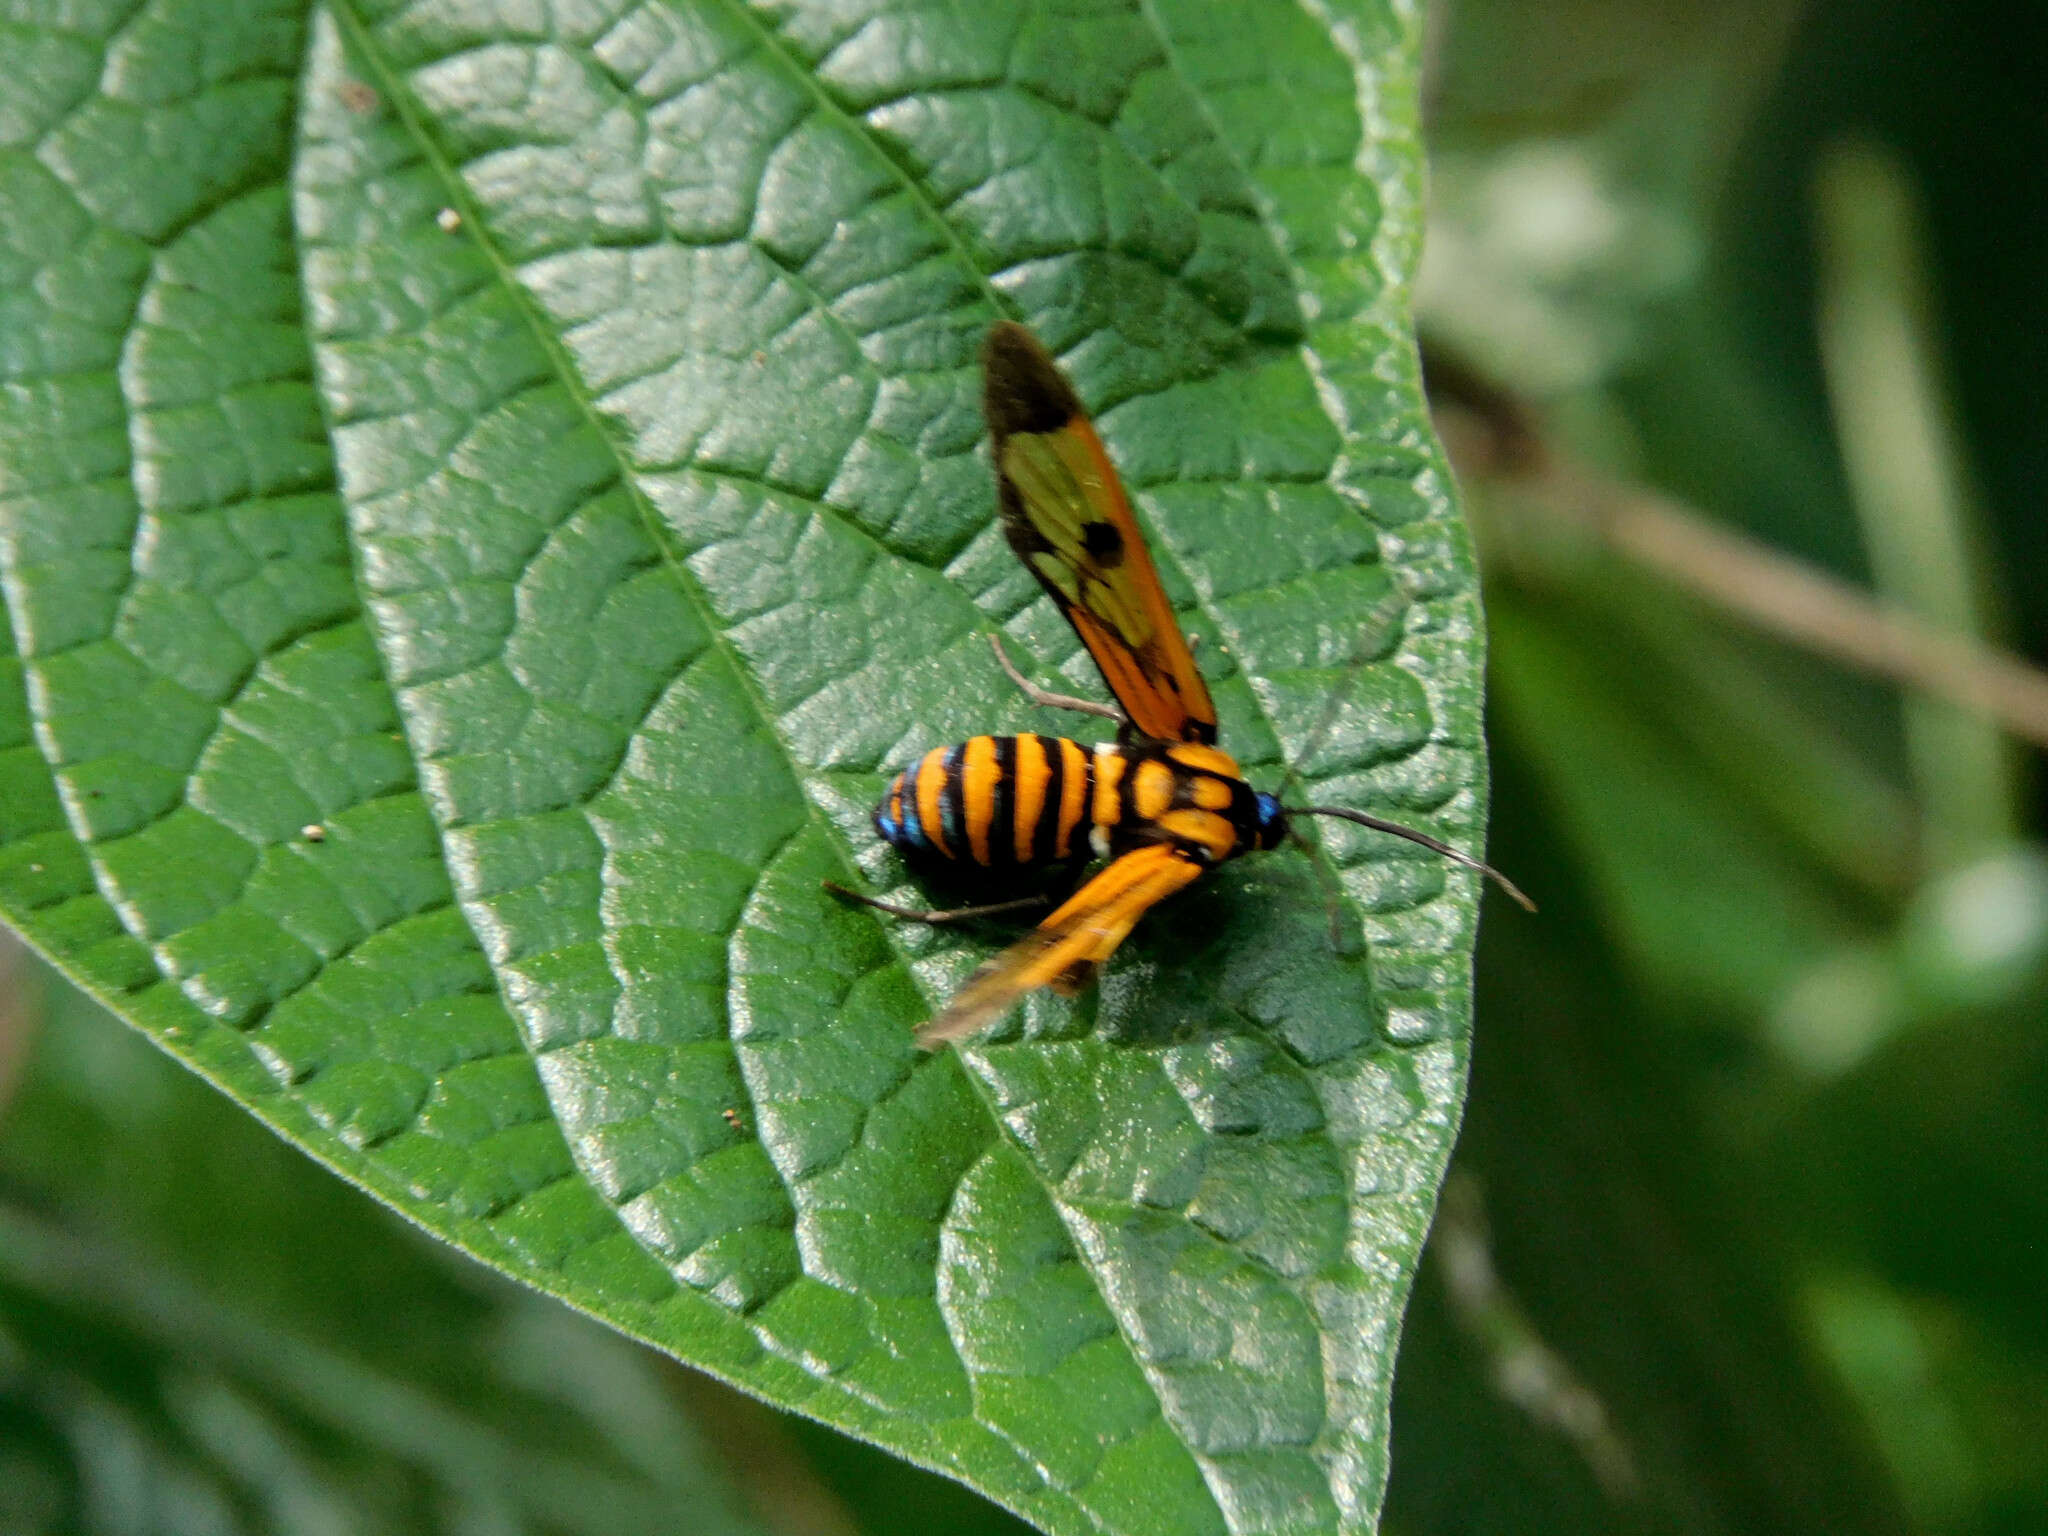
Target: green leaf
{"type": "Point", "coordinates": [484, 508]}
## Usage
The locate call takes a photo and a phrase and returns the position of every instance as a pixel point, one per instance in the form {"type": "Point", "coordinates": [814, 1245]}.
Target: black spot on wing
{"type": "Point", "coordinates": [1104, 544]}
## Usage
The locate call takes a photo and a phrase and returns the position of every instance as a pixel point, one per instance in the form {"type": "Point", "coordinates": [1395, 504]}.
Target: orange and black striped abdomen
{"type": "Point", "coordinates": [993, 803]}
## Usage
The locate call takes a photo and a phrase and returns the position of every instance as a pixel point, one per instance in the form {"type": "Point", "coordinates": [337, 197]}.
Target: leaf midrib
{"type": "Point", "coordinates": [401, 98]}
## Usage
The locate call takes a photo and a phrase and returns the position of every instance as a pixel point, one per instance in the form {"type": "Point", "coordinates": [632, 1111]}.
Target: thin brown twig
{"type": "Point", "coordinates": [1492, 435]}
{"type": "Point", "coordinates": [1792, 599]}
{"type": "Point", "coordinates": [1527, 1372]}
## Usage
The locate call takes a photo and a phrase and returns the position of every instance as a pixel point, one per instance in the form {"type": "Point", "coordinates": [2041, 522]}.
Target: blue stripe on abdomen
{"type": "Point", "coordinates": [913, 829]}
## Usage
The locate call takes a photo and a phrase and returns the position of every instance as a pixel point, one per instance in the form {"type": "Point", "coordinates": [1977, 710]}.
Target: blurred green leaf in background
{"type": "Point", "coordinates": [486, 495]}
{"type": "Point", "coordinates": [1735, 330]}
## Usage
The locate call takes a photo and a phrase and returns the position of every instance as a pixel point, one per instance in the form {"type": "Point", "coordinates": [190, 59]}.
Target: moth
{"type": "Point", "coordinates": [1157, 808]}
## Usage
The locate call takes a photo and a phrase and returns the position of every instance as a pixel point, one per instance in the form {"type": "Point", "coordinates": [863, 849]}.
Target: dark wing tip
{"type": "Point", "coordinates": [1023, 389]}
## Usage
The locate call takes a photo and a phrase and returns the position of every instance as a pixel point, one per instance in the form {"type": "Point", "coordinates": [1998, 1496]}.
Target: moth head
{"type": "Point", "coordinates": [1270, 820]}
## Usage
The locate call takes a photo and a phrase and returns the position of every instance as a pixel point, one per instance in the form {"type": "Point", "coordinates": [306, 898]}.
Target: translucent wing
{"type": "Point", "coordinates": [1064, 951]}
{"type": "Point", "coordinates": [1066, 516]}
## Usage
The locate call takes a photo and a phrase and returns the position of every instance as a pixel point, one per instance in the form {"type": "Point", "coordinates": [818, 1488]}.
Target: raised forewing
{"type": "Point", "coordinates": [1066, 515]}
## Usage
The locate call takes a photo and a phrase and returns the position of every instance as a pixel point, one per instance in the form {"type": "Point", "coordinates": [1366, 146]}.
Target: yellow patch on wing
{"type": "Point", "coordinates": [1065, 949]}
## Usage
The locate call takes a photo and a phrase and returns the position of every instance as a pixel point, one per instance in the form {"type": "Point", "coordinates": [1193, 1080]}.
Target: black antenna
{"type": "Point", "coordinates": [1434, 845]}
{"type": "Point", "coordinates": [1384, 611]}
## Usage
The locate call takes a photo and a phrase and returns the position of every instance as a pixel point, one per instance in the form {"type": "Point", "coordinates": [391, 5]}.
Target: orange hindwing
{"type": "Point", "coordinates": [1063, 951]}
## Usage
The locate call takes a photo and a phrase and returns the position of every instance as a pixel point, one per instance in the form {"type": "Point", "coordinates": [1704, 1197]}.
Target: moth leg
{"type": "Point", "coordinates": [1038, 695]}
{"type": "Point", "coordinates": [946, 915]}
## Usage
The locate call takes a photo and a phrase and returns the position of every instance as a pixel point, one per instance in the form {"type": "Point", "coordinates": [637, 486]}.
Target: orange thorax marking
{"type": "Point", "coordinates": [1151, 790]}
{"type": "Point", "coordinates": [1073, 794]}
{"type": "Point", "coordinates": [1109, 772]}
{"type": "Point", "coordinates": [1204, 759]}
{"type": "Point", "coordinates": [1204, 829]}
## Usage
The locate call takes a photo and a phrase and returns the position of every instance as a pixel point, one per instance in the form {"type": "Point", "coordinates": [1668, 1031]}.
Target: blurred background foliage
{"type": "Point", "coordinates": [1737, 332]}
